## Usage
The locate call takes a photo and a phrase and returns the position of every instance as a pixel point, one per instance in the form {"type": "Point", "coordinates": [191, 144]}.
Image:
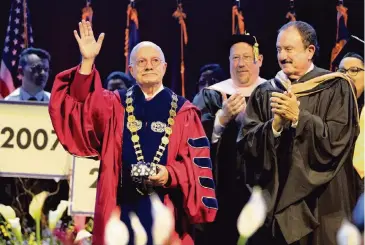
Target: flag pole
{"type": "Point", "coordinates": [132, 15]}
{"type": "Point", "coordinates": [25, 16]}
{"type": "Point", "coordinates": [181, 16]}
{"type": "Point", "coordinates": [291, 15]}
{"type": "Point", "coordinates": [237, 13]}
{"type": "Point", "coordinates": [87, 12]}
{"type": "Point", "coordinates": [341, 34]}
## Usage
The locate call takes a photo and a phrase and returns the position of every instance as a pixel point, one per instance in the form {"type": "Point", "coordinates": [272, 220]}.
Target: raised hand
{"type": "Point", "coordinates": [89, 47]}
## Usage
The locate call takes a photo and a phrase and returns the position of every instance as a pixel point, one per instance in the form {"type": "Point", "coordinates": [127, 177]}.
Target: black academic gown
{"type": "Point", "coordinates": [360, 102]}
{"type": "Point", "coordinates": [231, 191]}
{"type": "Point", "coordinates": [307, 175]}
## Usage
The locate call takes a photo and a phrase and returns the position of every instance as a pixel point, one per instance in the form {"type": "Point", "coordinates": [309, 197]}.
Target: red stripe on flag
{"type": "Point", "coordinates": [6, 81]}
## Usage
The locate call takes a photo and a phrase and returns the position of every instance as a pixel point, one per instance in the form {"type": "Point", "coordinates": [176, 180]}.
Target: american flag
{"type": "Point", "coordinates": [18, 36]}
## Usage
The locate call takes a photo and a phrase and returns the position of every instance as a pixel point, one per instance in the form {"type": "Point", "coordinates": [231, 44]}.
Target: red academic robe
{"type": "Point", "coordinates": [89, 122]}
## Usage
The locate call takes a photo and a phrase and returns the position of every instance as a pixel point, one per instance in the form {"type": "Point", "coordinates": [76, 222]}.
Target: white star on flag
{"type": "Point", "coordinates": [16, 21]}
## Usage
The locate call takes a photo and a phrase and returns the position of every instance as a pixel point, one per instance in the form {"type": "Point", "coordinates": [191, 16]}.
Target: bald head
{"type": "Point", "coordinates": [145, 44]}
{"type": "Point", "coordinates": [147, 64]}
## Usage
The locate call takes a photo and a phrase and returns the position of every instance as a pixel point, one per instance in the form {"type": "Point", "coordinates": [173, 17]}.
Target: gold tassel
{"type": "Point", "coordinates": [256, 50]}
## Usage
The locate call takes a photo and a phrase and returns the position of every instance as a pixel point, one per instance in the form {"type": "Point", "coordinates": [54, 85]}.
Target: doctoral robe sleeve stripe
{"type": "Point", "coordinates": [201, 142]}
{"type": "Point", "coordinates": [207, 182]}
{"type": "Point", "coordinates": [203, 162]}
{"type": "Point", "coordinates": [210, 202]}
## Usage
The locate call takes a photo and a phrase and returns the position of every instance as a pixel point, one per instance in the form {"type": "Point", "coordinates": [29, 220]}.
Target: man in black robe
{"type": "Point", "coordinates": [297, 141]}
{"type": "Point", "coordinates": [222, 106]}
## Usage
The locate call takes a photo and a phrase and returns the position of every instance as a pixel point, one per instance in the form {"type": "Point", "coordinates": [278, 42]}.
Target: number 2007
{"type": "Point", "coordinates": [40, 138]}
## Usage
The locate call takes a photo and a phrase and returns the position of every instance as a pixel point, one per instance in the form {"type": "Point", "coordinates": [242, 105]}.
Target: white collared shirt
{"type": "Point", "coordinates": [149, 97]}
{"type": "Point", "coordinates": [20, 94]}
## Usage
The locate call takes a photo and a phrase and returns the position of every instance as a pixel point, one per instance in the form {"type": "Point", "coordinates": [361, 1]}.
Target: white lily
{"type": "Point", "coordinates": [17, 229]}
{"type": "Point", "coordinates": [348, 234]}
{"type": "Point", "coordinates": [81, 235]}
{"type": "Point", "coordinates": [35, 210]}
{"type": "Point", "coordinates": [7, 212]}
{"type": "Point", "coordinates": [140, 235]}
{"type": "Point", "coordinates": [252, 216]}
{"type": "Point", "coordinates": [116, 232]}
{"type": "Point", "coordinates": [163, 221]}
{"type": "Point", "coordinates": [55, 216]}
{"type": "Point", "coordinates": [36, 205]}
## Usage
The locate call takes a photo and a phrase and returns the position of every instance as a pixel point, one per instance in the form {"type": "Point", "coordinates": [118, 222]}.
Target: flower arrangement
{"type": "Point", "coordinates": [53, 231]}
{"type": "Point", "coordinates": [50, 231]}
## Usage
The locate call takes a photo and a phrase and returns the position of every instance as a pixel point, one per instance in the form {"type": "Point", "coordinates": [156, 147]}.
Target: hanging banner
{"type": "Point", "coordinates": [29, 147]}
{"type": "Point", "coordinates": [83, 182]}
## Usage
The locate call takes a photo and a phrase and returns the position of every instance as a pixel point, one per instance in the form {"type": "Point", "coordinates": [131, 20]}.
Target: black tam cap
{"type": "Point", "coordinates": [246, 38]}
{"type": "Point", "coordinates": [353, 44]}
{"type": "Point", "coordinates": [251, 40]}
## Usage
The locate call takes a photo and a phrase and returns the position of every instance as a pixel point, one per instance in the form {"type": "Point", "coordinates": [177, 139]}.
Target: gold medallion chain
{"type": "Point", "coordinates": [133, 128]}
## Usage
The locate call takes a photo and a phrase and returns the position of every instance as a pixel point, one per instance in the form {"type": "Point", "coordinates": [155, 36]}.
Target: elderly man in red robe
{"type": "Point", "coordinates": [149, 140]}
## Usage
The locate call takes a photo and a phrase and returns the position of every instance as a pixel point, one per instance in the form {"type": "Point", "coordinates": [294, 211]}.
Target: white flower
{"type": "Point", "coordinates": [81, 235]}
{"type": "Point", "coordinates": [7, 212]}
{"type": "Point", "coordinates": [348, 234]}
{"type": "Point", "coordinates": [140, 235]}
{"type": "Point", "coordinates": [55, 216]}
{"type": "Point", "coordinates": [116, 232]}
{"type": "Point", "coordinates": [36, 205]}
{"type": "Point", "coordinates": [17, 229]}
{"type": "Point", "coordinates": [253, 214]}
{"type": "Point", "coordinates": [163, 221]}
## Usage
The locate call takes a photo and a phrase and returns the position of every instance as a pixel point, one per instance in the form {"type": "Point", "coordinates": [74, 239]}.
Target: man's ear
{"type": "Point", "coordinates": [131, 71]}
{"type": "Point", "coordinates": [311, 50]}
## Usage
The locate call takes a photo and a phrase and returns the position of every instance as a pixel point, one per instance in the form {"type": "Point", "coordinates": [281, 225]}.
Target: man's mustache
{"type": "Point", "coordinates": [283, 62]}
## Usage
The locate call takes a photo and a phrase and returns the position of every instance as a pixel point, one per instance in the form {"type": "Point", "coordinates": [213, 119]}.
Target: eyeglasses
{"type": "Point", "coordinates": [142, 63]}
{"type": "Point", "coordinates": [39, 68]}
{"type": "Point", "coordinates": [352, 71]}
{"type": "Point", "coordinates": [245, 58]}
